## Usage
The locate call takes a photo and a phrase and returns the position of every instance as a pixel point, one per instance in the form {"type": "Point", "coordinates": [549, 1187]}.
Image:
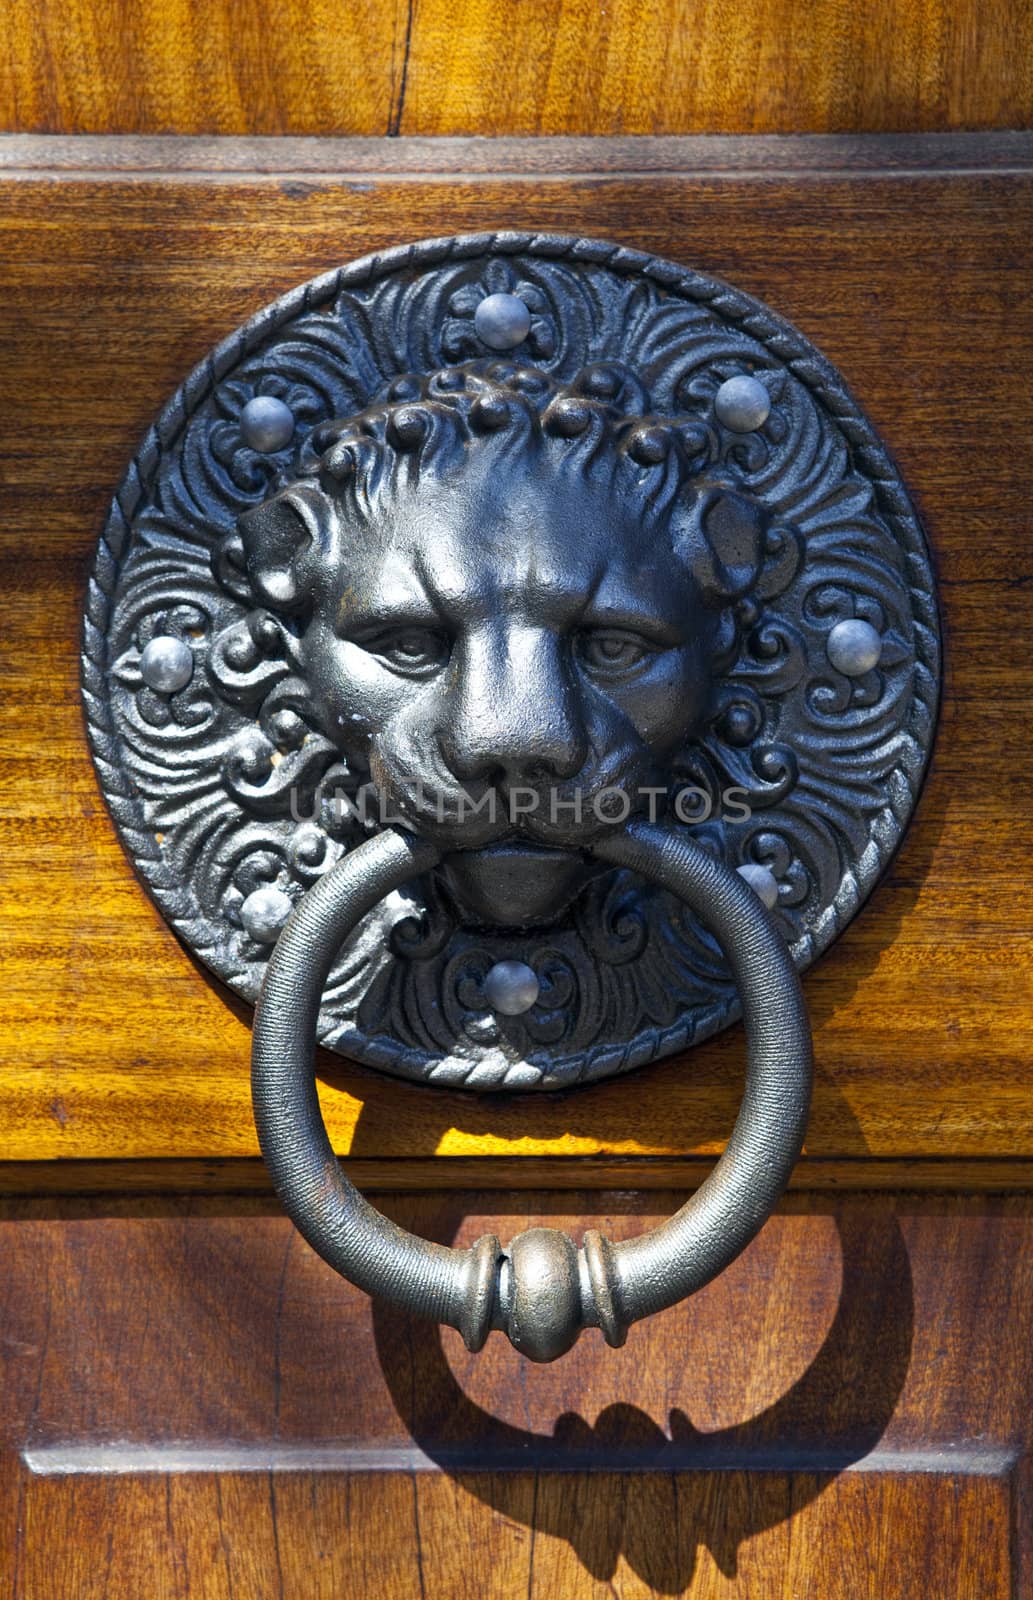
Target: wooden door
{"type": "Point", "coordinates": [192, 1403]}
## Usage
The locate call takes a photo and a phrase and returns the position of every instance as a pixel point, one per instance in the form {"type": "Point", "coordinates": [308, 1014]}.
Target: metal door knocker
{"type": "Point", "coordinates": [508, 659]}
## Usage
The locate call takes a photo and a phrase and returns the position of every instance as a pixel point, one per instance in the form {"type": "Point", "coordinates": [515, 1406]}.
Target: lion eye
{"type": "Point", "coordinates": [412, 650]}
{"type": "Point", "coordinates": [604, 651]}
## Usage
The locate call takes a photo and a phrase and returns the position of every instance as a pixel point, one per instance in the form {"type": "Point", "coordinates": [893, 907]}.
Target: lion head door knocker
{"type": "Point", "coordinates": [508, 659]}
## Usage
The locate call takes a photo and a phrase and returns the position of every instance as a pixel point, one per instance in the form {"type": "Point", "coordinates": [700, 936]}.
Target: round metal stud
{"type": "Point", "coordinates": [267, 424]}
{"type": "Point", "coordinates": [854, 647]}
{"type": "Point", "coordinates": [762, 881]}
{"type": "Point", "coordinates": [264, 913]}
{"type": "Point", "coordinates": [742, 404]}
{"type": "Point", "coordinates": [166, 664]}
{"type": "Point", "coordinates": [502, 321]}
{"type": "Point", "coordinates": [511, 988]}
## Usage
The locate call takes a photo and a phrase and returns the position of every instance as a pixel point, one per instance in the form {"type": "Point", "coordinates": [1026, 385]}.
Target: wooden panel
{"type": "Point", "coordinates": [415, 1174]}
{"type": "Point", "coordinates": [540, 67]}
{"type": "Point", "coordinates": [316, 1537]}
{"type": "Point", "coordinates": [845, 1412]}
{"type": "Point", "coordinates": [114, 1044]}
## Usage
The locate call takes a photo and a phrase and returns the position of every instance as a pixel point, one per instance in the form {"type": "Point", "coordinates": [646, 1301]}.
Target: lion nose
{"type": "Point", "coordinates": [514, 716]}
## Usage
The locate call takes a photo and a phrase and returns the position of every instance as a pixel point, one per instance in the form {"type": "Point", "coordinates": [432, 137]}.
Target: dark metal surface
{"type": "Point", "coordinates": [651, 555]}
{"type": "Point", "coordinates": [540, 1288]}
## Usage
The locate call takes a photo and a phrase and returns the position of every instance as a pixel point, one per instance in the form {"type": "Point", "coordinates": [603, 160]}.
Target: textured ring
{"type": "Point", "coordinates": [540, 1288]}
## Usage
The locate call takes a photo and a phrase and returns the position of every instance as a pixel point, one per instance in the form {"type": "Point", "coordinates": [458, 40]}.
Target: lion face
{"type": "Point", "coordinates": [513, 650]}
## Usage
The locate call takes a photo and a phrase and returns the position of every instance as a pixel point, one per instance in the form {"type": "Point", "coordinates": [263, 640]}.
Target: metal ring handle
{"type": "Point", "coordinates": [540, 1289]}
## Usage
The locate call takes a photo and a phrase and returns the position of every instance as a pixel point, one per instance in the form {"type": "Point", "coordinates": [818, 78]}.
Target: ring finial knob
{"type": "Point", "coordinates": [540, 1293]}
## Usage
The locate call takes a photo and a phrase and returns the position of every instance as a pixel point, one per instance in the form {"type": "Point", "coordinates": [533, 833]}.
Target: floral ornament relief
{"type": "Point", "coordinates": [229, 787]}
{"type": "Point", "coordinates": [459, 339]}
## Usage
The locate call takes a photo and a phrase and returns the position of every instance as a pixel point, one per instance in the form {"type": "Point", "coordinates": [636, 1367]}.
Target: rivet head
{"type": "Point", "coordinates": [854, 647]}
{"type": "Point", "coordinates": [267, 424]}
{"type": "Point", "coordinates": [511, 988]}
{"type": "Point", "coordinates": [264, 913]}
{"type": "Point", "coordinates": [742, 404]}
{"type": "Point", "coordinates": [762, 881]}
{"type": "Point", "coordinates": [502, 321]}
{"type": "Point", "coordinates": [166, 664]}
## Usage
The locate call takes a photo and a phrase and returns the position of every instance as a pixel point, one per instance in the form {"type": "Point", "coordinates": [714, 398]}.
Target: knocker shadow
{"type": "Point", "coordinates": [832, 1416]}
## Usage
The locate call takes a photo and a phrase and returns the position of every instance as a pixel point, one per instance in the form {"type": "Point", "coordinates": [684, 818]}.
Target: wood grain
{"type": "Point", "coordinates": [315, 1536]}
{"type": "Point", "coordinates": [116, 1045]}
{"type": "Point", "coordinates": [379, 67]}
{"type": "Point", "coordinates": [189, 66]}
{"type": "Point", "coordinates": [194, 1405]}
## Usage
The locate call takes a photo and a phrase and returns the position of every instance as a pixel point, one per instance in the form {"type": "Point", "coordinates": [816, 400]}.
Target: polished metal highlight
{"type": "Point", "coordinates": [540, 1289]}
{"type": "Point", "coordinates": [763, 883]}
{"type": "Point", "coordinates": [743, 404]}
{"type": "Point", "coordinates": [166, 665]}
{"type": "Point", "coordinates": [511, 987]}
{"type": "Point", "coordinates": [854, 647]}
{"type": "Point", "coordinates": [502, 321]}
{"type": "Point", "coordinates": [266, 424]}
{"type": "Point", "coordinates": [264, 913]}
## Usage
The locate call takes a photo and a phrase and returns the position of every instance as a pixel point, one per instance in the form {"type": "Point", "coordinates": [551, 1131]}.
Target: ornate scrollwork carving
{"type": "Point", "coordinates": [254, 777]}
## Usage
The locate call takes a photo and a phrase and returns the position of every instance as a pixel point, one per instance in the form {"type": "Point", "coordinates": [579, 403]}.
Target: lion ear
{"type": "Point", "coordinates": [730, 546]}
{"type": "Point", "coordinates": [285, 541]}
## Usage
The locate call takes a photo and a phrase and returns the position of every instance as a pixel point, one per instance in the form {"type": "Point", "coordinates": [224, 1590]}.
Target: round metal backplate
{"type": "Point", "coordinates": [819, 722]}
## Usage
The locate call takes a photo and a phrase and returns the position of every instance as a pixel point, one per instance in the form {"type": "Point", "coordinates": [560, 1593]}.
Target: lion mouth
{"type": "Point", "coordinates": [515, 882]}
{"type": "Point", "coordinates": [489, 822]}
